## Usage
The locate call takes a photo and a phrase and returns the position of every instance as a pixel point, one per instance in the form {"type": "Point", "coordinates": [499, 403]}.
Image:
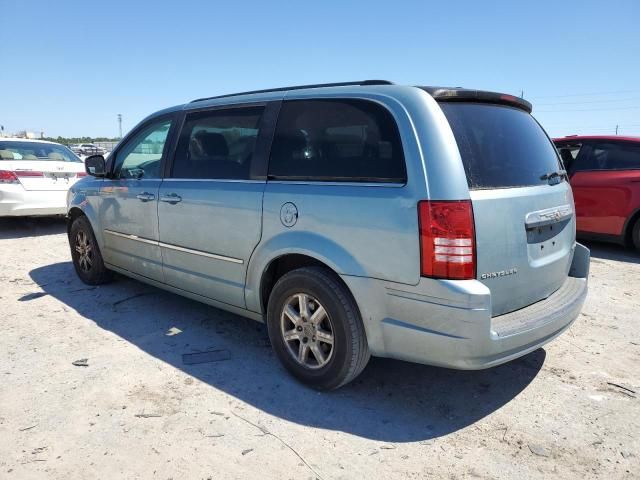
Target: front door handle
{"type": "Point", "coordinates": [172, 198]}
{"type": "Point", "coordinates": [145, 196]}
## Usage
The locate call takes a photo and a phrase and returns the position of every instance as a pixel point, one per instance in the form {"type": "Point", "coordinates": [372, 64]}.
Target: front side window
{"type": "Point", "coordinates": [36, 151]}
{"type": "Point", "coordinates": [568, 153]}
{"type": "Point", "coordinates": [141, 156]}
{"type": "Point", "coordinates": [217, 144]}
{"type": "Point", "coordinates": [336, 140]}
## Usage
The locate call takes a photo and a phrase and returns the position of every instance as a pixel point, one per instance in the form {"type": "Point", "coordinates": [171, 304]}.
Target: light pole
{"type": "Point", "coordinates": [120, 124]}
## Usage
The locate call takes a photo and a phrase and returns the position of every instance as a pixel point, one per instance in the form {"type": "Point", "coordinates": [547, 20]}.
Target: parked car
{"type": "Point", "coordinates": [604, 172]}
{"type": "Point", "coordinates": [88, 149]}
{"type": "Point", "coordinates": [419, 223]}
{"type": "Point", "coordinates": [35, 176]}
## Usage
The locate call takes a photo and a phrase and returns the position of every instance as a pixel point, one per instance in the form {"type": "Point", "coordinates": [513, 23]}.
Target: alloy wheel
{"type": "Point", "coordinates": [85, 251]}
{"type": "Point", "coordinates": [307, 331]}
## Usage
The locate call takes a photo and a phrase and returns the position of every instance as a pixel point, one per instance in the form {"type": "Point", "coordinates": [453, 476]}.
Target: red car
{"type": "Point", "coordinates": [604, 172]}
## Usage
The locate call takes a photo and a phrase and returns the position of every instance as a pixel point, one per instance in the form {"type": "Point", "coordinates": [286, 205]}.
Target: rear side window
{"type": "Point", "coordinates": [336, 141]}
{"type": "Point", "coordinates": [217, 144]}
{"type": "Point", "coordinates": [612, 156]}
{"type": "Point", "coordinates": [500, 146]}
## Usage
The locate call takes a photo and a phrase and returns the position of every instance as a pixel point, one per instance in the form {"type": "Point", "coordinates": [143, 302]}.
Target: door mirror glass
{"type": "Point", "coordinates": [95, 165]}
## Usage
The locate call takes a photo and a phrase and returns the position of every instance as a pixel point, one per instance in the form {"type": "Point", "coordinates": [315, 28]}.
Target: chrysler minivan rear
{"type": "Point", "coordinates": [501, 272]}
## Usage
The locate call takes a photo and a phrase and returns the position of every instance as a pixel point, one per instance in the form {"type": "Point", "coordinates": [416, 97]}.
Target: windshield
{"type": "Point", "coordinates": [501, 146]}
{"type": "Point", "coordinates": [36, 151]}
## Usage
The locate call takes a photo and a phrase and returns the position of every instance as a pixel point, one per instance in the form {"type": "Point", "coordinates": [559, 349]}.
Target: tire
{"type": "Point", "coordinates": [331, 328]}
{"type": "Point", "coordinates": [85, 253]}
{"type": "Point", "coordinates": [635, 234]}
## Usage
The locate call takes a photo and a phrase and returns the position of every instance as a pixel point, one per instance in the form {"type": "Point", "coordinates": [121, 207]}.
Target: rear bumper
{"type": "Point", "coordinates": [449, 323]}
{"type": "Point", "coordinates": [15, 201]}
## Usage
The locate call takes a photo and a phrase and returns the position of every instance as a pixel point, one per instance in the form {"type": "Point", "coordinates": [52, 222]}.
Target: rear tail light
{"type": "Point", "coordinates": [8, 177]}
{"type": "Point", "coordinates": [447, 239]}
{"type": "Point", "coordinates": [81, 174]}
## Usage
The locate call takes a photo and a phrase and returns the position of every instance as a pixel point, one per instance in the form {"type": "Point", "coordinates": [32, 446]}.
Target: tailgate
{"type": "Point", "coordinates": [522, 204]}
{"type": "Point", "coordinates": [524, 242]}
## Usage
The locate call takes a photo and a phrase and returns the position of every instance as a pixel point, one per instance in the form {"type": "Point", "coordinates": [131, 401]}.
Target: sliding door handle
{"type": "Point", "coordinates": [172, 198]}
{"type": "Point", "coordinates": [145, 196]}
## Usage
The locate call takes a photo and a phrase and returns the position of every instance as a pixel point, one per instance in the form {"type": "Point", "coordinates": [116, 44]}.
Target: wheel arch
{"type": "Point", "coordinates": [284, 253]}
{"type": "Point", "coordinates": [284, 264]}
{"type": "Point", "coordinates": [85, 209]}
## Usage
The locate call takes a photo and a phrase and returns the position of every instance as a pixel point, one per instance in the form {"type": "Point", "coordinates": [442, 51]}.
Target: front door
{"type": "Point", "coordinates": [128, 208]}
{"type": "Point", "coordinates": [210, 208]}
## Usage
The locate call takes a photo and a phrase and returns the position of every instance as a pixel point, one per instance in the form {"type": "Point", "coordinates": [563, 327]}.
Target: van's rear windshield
{"type": "Point", "coordinates": [500, 146]}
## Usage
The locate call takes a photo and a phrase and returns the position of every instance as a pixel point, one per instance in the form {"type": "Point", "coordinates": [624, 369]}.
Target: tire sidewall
{"type": "Point", "coordinates": [93, 276]}
{"type": "Point", "coordinates": [635, 235]}
{"type": "Point", "coordinates": [338, 366]}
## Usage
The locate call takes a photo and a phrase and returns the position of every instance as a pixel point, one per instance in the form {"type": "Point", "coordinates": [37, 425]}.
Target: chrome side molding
{"type": "Point", "coordinates": [175, 247]}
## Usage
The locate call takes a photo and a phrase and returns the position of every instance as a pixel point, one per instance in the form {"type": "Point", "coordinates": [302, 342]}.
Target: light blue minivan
{"type": "Point", "coordinates": [427, 224]}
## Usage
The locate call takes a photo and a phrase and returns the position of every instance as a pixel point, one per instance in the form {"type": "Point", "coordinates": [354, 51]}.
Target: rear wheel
{"type": "Point", "coordinates": [315, 328]}
{"type": "Point", "coordinates": [85, 253]}
{"type": "Point", "coordinates": [635, 234]}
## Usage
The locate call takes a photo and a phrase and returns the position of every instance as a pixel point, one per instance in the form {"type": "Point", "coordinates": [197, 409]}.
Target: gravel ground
{"type": "Point", "coordinates": [136, 410]}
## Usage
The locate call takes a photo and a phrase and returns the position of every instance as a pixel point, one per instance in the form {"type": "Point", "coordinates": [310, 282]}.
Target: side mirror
{"type": "Point", "coordinates": [95, 165]}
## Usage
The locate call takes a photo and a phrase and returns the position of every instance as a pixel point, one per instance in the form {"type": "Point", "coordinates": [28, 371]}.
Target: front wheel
{"type": "Point", "coordinates": [315, 328]}
{"type": "Point", "coordinates": [85, 253]}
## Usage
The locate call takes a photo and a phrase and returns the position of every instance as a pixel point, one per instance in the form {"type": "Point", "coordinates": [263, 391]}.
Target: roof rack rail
{"type": "Point", "coordinates": [299, 87]}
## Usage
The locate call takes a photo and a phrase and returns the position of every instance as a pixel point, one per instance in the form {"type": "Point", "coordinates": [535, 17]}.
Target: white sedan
{"type": "Point", "coordinates": [35, 176]}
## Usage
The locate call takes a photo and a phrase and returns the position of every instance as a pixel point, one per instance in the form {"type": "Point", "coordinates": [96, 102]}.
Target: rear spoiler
{"type": "Point", "coordinates": [457, 94]}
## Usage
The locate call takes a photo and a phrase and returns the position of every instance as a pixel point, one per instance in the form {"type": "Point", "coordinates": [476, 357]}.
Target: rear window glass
{"type": "Point", "coordinates": [500, 146]}
{"type": "Point", "coordinates": [36, 151]}
{"type": "Point", "coordinates": [336, 140]}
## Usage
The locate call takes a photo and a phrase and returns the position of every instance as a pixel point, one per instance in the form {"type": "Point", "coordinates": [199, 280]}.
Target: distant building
{"type": "Point", "coordinates": [27, 134]}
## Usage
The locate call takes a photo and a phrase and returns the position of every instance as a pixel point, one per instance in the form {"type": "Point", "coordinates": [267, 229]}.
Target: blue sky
{"type": "Point", "coordinates": [69, 67]}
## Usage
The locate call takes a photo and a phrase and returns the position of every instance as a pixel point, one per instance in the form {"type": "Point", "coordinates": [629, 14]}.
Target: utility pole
{"type": "Point", "coordinates": [120, 124]}
{"type": "Point", "coordinates": [521, 93]}
{"type": "Point", "coordinates": [616, 129]}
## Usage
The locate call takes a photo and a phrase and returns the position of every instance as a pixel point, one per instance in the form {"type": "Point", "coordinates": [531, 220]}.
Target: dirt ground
{"type": "Point", "coordinates": [570, 410]}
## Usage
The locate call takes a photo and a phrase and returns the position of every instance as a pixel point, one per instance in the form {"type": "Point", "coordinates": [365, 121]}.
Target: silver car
{"type": "Point", "coordinates": [427, 224]}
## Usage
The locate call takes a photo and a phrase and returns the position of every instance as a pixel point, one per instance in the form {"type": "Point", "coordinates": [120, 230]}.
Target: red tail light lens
{"type": "Point", "coordinates": [447, 239]}
{"type": "Point", "coordinates": [81, 174]}
{"type": "Point", "coordinates": [8, 177]}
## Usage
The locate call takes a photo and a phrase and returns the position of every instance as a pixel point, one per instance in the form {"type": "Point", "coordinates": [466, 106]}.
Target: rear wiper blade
{"type": "Point", "coordinates": [551, 175]}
